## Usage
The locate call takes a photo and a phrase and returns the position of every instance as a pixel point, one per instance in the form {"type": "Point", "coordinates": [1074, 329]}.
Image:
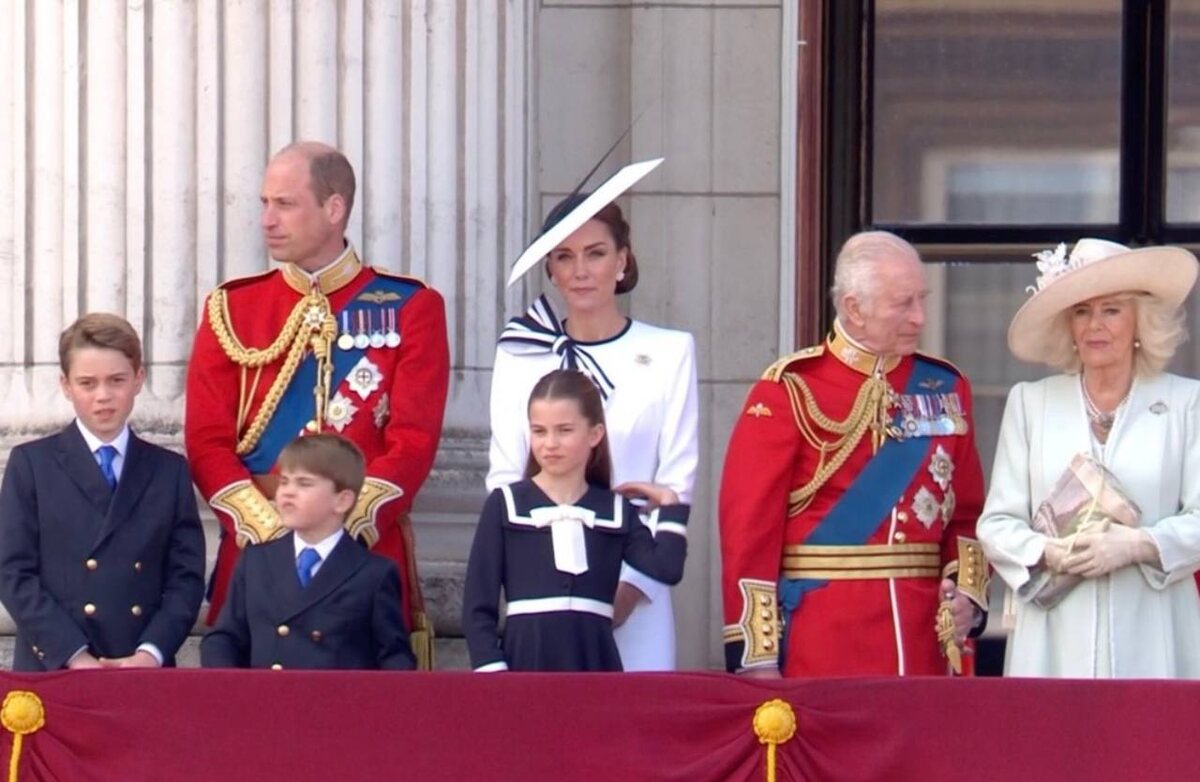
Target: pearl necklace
{"type": "Point", "coordinates": [1102, 423]}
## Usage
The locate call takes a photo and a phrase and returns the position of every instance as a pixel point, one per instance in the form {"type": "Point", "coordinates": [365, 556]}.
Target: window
{"type": "Point", "coordinates": [985, 130]}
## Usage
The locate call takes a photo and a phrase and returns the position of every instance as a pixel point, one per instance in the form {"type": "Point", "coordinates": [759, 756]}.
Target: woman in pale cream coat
{"type": "Point", "coordinates": [1110, 318]}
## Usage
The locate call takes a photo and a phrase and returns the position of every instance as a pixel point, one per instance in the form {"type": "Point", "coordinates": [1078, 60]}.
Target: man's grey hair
{"type": "Point", "coordinates": [854, 274]}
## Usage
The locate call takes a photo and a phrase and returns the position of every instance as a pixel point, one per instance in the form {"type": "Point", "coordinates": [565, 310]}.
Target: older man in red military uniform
{"type": "Point", "coordinates": [321, 344]}
{"type": "Point", "coordinates": [850, 493]}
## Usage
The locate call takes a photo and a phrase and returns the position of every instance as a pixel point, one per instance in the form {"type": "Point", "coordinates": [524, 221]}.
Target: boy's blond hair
{"type": "Point", "coordinates": [328, 456]}
{"type": "Point", "coordinates": [99, 330]}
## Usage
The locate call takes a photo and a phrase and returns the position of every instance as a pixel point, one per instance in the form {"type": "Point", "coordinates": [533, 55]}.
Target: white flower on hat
{"type": "Point", "coordinates": [1095, 267]}
{"type": "Point", "coordinates": [1052, 264]}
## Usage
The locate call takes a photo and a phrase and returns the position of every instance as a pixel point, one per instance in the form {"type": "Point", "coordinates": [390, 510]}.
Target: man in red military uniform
{"type": "Point", "coordinates": [321, 344]}
{"type": "Point", "coordinates": [850, 493]}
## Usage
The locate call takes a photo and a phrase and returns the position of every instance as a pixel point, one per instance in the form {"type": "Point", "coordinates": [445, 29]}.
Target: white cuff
{"type": "Point", "coordinates": [153, 651]}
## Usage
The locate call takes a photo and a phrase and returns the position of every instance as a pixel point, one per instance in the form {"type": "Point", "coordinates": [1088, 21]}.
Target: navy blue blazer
{"type": "Point", "coordinates": [85, 566]}
{"type": "Point", "coordinates": [348, 617]}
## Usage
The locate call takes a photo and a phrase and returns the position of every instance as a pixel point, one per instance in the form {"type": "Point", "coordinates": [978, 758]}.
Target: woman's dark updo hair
{"type": "Point", "coordinates": [611, 216]}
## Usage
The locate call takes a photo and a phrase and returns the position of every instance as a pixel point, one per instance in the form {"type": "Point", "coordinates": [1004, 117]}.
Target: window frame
{"type": "Point", "coordinates": [849, 101]}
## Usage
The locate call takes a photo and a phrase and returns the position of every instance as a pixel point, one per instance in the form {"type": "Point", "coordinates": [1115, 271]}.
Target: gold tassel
{"type": "Point", "coordinates": [22, 714]}
{"type": "Point", "coordinates": [946, 637]}
{"type": "Point", "coordinates": [774, 724]}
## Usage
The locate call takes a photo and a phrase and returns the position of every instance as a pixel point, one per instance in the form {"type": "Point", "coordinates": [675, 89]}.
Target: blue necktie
{"type": "Point", "coordinates": [305, 563]}
{"type": "Point", "coordinates": [107, 453]}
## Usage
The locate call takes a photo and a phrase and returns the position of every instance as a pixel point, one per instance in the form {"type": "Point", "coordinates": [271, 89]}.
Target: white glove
{"type": "Point", "coordinates": [1110, 548]}
{"type": "Point", "coordinates": [1054, 554]}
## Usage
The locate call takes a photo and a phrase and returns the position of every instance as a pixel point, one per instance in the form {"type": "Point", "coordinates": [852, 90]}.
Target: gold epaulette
{"type": "Point", "coordinates": [238, 282]}
{"type": "Point", "coordinates": [776, 371]}
{"type": "Point", "coordinates": [398, 276]}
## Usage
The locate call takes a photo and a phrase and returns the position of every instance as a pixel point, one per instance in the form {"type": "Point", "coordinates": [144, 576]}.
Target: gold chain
{"type": "Point", "coordinates": [311, 324]}
{"type": "Point", "coordinates": [870, 411]}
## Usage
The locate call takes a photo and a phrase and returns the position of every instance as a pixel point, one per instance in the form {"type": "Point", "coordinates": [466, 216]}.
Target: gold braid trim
{"type": "Point", "coordinates": [310, 325]}
{"type": "Point", "coordinates": [869, 412]}
{"type": "Point", "coordinates": [218, 318]}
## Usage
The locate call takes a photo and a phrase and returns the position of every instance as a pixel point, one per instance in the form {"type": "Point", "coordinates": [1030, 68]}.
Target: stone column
{"type": "Point", "coordinates": [136, 138]}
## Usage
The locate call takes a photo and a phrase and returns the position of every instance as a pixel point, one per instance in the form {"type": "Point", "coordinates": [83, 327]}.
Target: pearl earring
{"type": "Point", "coordinates": [1137, 343]}
{"type": "Point", "coordinates": [1074, 348]}
{"type": "Point", "coordinates": [620, 276]}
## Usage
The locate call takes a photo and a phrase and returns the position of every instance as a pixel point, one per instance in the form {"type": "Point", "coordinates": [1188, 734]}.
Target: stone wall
{"type": "Point", "coordinates": [139, 132]}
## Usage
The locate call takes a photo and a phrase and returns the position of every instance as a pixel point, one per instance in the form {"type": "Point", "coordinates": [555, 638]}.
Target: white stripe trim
{"type": "Point", "coordinates": [545, 605]}
{"type": "Point", "coordinates": [511, 506]}
{"type": "Point", "coordinates": [499, 665]}
{"type": "Point", "coordinates": [674, 527]}
{"type": "Point", "coordinates": [895, 605]}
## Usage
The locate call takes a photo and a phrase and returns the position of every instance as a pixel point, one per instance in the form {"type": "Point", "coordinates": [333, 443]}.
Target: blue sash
{"type": "Point", "coordinates": [855, 516]}
{"type": "Point", "coordinates": [296, 405]}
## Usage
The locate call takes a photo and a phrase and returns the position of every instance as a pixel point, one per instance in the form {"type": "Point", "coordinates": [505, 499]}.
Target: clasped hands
{"type": "Point", "coordinates": [139, 659]}
{"type": "Point", "coordinates": [1099, 550]}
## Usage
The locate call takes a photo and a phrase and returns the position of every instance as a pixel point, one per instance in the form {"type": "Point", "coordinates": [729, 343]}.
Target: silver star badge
{"type": "Point", "coordinates": [382, 410]}
{"type": "Point", "coordinates": [364, 378]}
{"type": "Point", "coordinates": [926, 507]}
{"type": "Point", "coordinates": [340, 412]}
{"type": "Point", "coordinates": [941, 468]}
{"type": "Point", "coordinates": [948, 504]}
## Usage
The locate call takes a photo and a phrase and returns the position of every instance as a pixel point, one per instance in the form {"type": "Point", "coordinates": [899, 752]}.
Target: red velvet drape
{"type": "Point", "coordinates": [185, 725]}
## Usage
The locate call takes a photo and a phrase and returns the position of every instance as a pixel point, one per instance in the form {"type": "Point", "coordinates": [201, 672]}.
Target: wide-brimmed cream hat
{"type": "Point", "coordinates": [1095, 267]}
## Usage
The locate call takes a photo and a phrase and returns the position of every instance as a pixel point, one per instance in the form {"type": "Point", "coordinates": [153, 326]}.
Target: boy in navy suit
{"type": "Point", "coordinates": [101, 551]}
{"type": "Point", "coordinates": [314, 598]}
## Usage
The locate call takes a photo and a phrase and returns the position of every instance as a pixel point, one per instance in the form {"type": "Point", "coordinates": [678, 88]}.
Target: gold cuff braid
{"type": "Point", "coordinates": [254, 517]}
{"type": "Point", "coordinates": [759, 626]}
{"type": "Point", "coordinates": [361, 521]}
{"type": "Point", "coordinates": [970, 571]}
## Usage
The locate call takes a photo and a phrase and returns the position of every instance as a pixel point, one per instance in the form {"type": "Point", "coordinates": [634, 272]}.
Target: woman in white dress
{"type": "Point", "coordinates": [647, 376]}
{"type": "Point", "coordinates": [1110, 318]}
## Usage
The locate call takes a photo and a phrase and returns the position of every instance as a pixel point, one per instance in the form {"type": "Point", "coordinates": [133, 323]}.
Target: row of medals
{"type": "Point", "coordinates": [365, 334]}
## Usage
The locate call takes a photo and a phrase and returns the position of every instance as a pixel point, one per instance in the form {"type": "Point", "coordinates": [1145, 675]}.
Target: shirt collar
{"type": "Point", "coordinates": [852, 353]}
{"type": "Point", "coordinates": [324, 547]}
{"type": "Point", "coordinates": [120, 442]}
{"type": "Point", "coordinates": [336, 274]}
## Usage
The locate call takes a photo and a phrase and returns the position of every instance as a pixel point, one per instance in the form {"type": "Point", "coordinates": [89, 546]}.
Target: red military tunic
{"type": "Point", "coordinates": [391, 406]}
{"type": "Point", "coordinates": [875, 613]}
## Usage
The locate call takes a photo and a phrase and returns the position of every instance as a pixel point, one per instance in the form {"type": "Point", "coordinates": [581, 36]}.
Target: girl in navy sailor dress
{"type": "Point", "coordinates": [554, 542]}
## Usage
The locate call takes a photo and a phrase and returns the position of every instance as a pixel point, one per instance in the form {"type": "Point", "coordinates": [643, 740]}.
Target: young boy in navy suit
{"type": "Point", "coordinates": [314, 598]}
{"type": "Point", "coordinates": [101, 551]}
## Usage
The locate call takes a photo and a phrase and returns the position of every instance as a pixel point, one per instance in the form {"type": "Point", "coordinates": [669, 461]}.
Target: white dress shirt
{"type": "Point", "coordinates": [120, 442]}
{"type": "Point", "coordinates": [324, 547]}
